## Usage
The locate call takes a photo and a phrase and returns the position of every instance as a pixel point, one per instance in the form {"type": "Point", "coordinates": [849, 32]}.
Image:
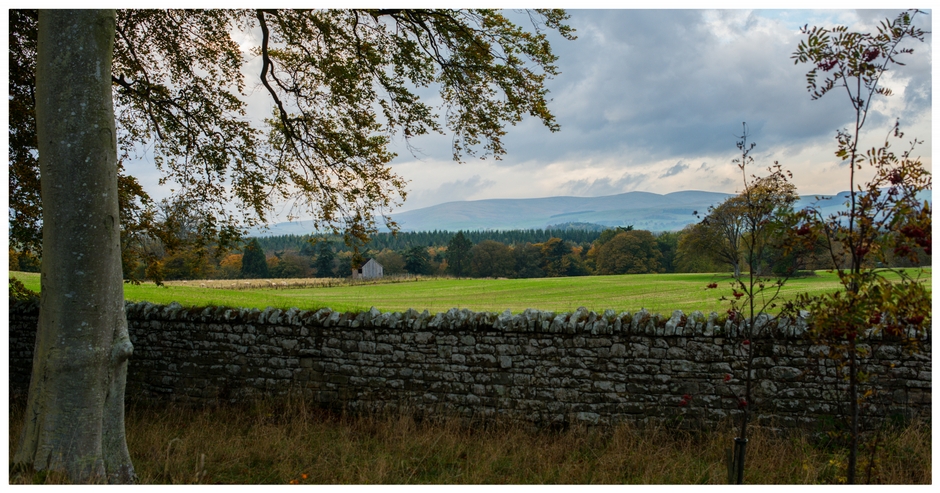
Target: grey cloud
{"type": "Point", "coordinates": [449, 192]}
{"type": "Point", "coordinates": [646, 86]}
{"type": "Point", "coordinates": [874, 16]}
{"type": "Point", "coordinates": [461, 189]}
{"type": "Point", "coordinates": [587, 188]}
{"type": "Point", "coordinates": [660, 84]}
{"type": "Point", "coordinates": [917, 93]}
{"type": "Point", "coordinates": [600, 187]}
{"type": "Point", "coordinates": [674, 170]}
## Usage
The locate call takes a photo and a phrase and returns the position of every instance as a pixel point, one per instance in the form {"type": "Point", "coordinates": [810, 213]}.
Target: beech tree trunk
{"type": "Point", "coordinates": [75, 409]}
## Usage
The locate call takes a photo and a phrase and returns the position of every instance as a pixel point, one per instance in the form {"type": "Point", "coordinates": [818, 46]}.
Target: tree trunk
{"type": "Point", "coordinates": [75, 410]}
{"type": "Point", "coordinates": [853, 406]}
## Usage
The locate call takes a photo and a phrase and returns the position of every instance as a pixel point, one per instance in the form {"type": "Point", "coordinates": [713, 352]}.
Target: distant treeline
{"type": "Point", "coordinates": [510, 254]}
{"type": "Point", "coordinates": [405, 240]}
{"type": "Point", "coordinates": [575, 250]}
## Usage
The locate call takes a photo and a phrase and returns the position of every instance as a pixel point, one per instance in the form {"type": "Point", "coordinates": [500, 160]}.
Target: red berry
{"type": "Point", "coordinates": [827, 65]}
{"type": "Point", "coordinates": [895, 178]}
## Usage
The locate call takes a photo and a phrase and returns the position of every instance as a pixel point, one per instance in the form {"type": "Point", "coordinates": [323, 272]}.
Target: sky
{"type": "Point", "coordinates": [654, 100]}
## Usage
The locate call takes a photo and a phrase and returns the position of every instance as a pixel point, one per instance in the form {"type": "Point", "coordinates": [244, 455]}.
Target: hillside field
{"type": "Point", "coordinates": [660, 293]}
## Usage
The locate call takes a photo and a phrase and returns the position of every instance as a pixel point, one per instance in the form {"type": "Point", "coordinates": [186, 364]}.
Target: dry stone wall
{"type": "Point", "coordinates": [541, 367]}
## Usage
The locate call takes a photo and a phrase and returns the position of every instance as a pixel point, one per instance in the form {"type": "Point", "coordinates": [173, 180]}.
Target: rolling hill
{"type": "Point", "coordinates": [643, 210]}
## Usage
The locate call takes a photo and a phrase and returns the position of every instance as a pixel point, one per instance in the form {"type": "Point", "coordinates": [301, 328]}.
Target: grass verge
{"type": "Point", "coordinates": [266, 444]}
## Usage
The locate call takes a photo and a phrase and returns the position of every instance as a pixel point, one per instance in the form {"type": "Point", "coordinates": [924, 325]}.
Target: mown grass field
{"type": "Point", "coordinates": [660, 293]}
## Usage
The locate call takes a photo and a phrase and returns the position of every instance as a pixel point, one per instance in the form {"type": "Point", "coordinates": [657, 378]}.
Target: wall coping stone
{"type": "Point", "coordinates": [580, 321]}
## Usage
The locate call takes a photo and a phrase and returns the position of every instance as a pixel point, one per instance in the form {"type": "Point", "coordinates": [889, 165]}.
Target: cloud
{"type": "Point", "coordinates": [672, 84]}
{"type": "Point", "coordinates": [643, 93]}
{"type": "Point", "coordinates": [674, 170]}
{"type": "Point", "coordinates": [598, 187]}
{"type": "Point", "coordinates": [449, 192]}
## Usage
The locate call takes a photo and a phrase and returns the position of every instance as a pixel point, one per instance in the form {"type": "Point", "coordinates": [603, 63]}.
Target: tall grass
{"type": "Point", "coordinates": [267, 444]}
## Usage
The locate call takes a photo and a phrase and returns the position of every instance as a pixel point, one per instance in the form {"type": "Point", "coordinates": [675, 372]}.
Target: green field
{"type": "Point", "coordinates": [661, 293]}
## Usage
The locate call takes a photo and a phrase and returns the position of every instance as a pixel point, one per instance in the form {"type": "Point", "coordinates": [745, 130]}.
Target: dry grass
{"type": "Point", "coordinates": [264, 444]}
{"type": "Point", "coordinates": [294, 283]}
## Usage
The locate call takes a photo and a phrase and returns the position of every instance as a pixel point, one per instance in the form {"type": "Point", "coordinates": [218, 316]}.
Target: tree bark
{"type": "Point", "coordinates": [75, 409]}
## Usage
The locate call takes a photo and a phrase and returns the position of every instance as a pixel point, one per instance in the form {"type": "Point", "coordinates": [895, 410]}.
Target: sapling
{"type": "Point", "coordinates": [764, 212]}
{"type": "Point", "coordinates": [884, 215]}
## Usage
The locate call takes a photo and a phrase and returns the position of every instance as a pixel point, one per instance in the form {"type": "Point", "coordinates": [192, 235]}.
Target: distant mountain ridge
{"type": "Point", "coordinates": [643, 210]}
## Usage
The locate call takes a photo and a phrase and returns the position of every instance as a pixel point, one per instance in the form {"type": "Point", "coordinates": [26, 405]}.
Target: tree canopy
{"type": "Point", "coordinates": [458, 255]}
{"type": "Point", "coordinates": [629, 252]}
{"type": "Point", "coordinates": [341, 84]}
{"type": "Point", "coordinates": [111, 85]}
{"type": "Point", "coordinates": [416, 260]}
{"type": "Point", "coordinates": [253, 261]}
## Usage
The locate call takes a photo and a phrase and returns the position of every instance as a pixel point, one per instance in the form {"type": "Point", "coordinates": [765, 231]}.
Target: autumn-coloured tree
{"type": "Point", "coordinates": [393, 263]}
{"type": "Point", "coordinates": [340, 84]}
{"type": "Point", "coordinates": [690, 257]}
{"type": "Point", "coordinates": [231, 266]}
{"type": "Point", "coordinates": [883, 215]}
{"type": "Point", "coordinates": [490, 258]}
{"type": "Point", "coordinates": [720, 233]}
{"type": "Point", "coordinates": [527, 259]}
{"type": "Point", "coordinates": [763, 220]}
{"type": "Point", "coordinates": [629, 252]}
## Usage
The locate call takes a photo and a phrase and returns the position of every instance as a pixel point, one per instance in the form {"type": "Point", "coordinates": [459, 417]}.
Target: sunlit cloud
{"type": "Point", "coordinates": [654, 100]}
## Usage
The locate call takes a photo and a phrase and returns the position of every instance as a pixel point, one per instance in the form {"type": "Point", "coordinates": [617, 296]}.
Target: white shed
{"type": "Point", "coordinates": [369, 270]}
